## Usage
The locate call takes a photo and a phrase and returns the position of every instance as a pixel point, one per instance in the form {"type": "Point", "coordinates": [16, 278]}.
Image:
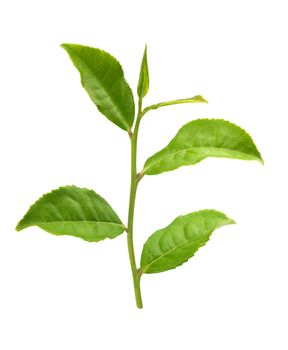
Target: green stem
{"type": "Point", "coordinates": [133, 190]}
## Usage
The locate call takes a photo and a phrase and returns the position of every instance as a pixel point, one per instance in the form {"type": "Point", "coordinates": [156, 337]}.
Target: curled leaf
{"type": "Point", "coordinates": [143, 83]}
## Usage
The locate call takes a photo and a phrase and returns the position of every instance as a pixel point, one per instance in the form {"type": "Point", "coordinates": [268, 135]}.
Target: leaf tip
{"type": "Point", "coordinates": [229, 221]}
{"type": "Point", "coordinates": [64, 46]}
{"type": "Point", "coordinates": [204, 100]}
{"type": "Point", "coordinates": [19, 227]}
{"type": "Point", "coordinates": [200, 98]}
{"type": "Point", "coordinates": [70, 47]}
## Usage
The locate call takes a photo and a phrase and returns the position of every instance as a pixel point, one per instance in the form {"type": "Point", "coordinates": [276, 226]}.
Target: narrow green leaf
{"type": "Point", "coordinates": [195, 99]}
{"type": "Point", "coordinates": [103, 79]}
{"type": "Point", "coordinates": [74, 211]}
{"type": "Point", "coordinates": [201, 139]}
{"type": "Point", "coordinates": [143, 83]}
{"type": "Point", "coordinates": [175, 244]}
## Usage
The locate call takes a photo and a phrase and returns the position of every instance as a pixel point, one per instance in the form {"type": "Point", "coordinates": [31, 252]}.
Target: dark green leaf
{"type": "Point", "coordinates": [143, 83]}
{"type": "Point", "coordinates": [103, 79]}
{"type": "Point", "coordinates": [201, 139]}
{"type": "Point", "coordinates": [74, 211]}
{"type": "Point", "coordinates": [176, 243]}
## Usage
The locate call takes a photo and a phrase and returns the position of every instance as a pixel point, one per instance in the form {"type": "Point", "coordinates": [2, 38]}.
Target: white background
{"type": "Point", "coordinates": [63, 293]}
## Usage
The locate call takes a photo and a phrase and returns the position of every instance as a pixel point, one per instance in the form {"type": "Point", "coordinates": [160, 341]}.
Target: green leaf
{"type": "Point", "coordinates": [175, 244]}
{"type": "Point", "coordinates": [195, 99]}
{"type": "Point", "coordinates": [201, 139]}
{"type": "Point", "coordinates": [74, 211]}
{"type": "Point", "coordinates": [103, 79]}
{"type": "Point", "coordinates": [143, 83]}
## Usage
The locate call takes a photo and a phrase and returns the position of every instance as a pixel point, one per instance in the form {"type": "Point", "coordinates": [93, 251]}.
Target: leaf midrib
{"type": "Point", "coordinates": [74, 221]}
{"type": "Point", "coordinates": [191, 148]}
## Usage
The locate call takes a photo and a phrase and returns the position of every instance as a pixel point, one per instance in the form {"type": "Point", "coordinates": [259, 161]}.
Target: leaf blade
{"type": "Point", "coordinates": [200, 139]}
{"type": "Point", "coordinates": [143, 82]}
{"type": "Point", "coordinates": [173, 245]}
{"type": "Point", "coordinates": [103, 79]}
{"type": "Point", "coordinates": [194, 99]}
{"type": "Point", "coordinates": [74, 211]}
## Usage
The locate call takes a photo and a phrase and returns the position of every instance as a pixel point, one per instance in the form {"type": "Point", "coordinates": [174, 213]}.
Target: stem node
{"type": "Point", "coordinates": [139, 176]}
{"type": "Point", "coordinates": [130, 133]}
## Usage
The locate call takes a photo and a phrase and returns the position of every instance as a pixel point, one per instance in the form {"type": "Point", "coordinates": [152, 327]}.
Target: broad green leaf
{"type": "Point", "coordinates": [143, 83]}
{"type": "Point", "coordinates": [195, 99]}
{"type": "Point", "coordinates": [103, 79]}
{"type": "Point", "coordinates": [201, 139]}
{"type": "Point", "coordinates": [74, 211]}
{"type": "Point", "coordinates": [179, 241]}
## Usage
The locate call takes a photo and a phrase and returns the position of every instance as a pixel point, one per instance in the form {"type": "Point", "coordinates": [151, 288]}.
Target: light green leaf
{"type": "Point", "coordinates": [143, 83]}
{"type": "Point", "coordinates": [103, 79]}
{"type": "Point", "coordinates": [195, 99]}
{"type": "Point", "coordinates": [201, 139]}
{"type": "Point", "coordinates": [74, 211]}
{"type": "Point", "coordinates": [179, 241]}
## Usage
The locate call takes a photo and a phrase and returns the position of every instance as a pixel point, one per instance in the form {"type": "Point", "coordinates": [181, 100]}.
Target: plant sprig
{"type": "Point", "coordinates": [82, 213]}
